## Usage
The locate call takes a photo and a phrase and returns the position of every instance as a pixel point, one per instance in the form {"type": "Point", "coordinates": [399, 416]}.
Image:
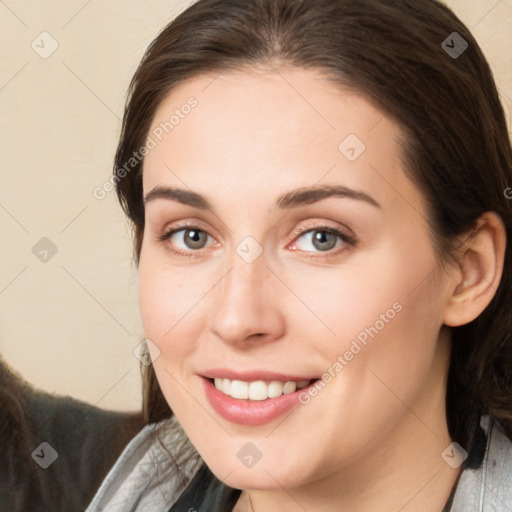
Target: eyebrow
{"type": "Point", "coordinates": [177, 194]}
{"type": "Point", "coordinates": [292, 199]}
{"type": "Point", "coordinates": [309, 195]}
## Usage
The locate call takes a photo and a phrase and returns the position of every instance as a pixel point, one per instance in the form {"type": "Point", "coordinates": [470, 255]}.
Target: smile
{"type": "Point", "coordinates": [253, 401]}
{"type": "Point", "coordinates": [258, 390]}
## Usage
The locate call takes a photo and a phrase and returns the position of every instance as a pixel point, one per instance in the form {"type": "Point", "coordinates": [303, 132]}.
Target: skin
{"type": "Point", "coordinates": [372, 438]}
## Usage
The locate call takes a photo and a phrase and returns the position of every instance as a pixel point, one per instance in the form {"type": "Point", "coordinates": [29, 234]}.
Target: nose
{"type": "Point", "coordinates": [247, 307]}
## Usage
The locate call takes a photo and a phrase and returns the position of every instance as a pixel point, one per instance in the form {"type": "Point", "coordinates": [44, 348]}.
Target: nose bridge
{"type": "Point", "coordinates": [244, 307]}
{"type": "Point", "coordinates": [243, 284]}
{"type": "Point", "coordinates": [247, 267]}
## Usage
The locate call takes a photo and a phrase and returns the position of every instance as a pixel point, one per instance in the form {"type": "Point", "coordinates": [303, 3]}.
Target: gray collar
{"type": "Point", "coordinates": [488, 488]}
{"type": "Point", "coordinates": [151, 473]}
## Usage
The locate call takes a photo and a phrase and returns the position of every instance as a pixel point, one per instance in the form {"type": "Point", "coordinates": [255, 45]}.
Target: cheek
{"type": "Point", "coordinates": [383, 315]}
{"type": "Point", "coordinates": [168, 303]}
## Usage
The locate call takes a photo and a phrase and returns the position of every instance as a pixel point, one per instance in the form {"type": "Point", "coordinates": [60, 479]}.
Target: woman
{"type": "Point", "coordinates": [317, 195]}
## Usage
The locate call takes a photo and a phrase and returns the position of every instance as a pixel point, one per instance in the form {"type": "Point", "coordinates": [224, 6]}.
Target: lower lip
{"type": "Point", "coordinates": [250, 412]}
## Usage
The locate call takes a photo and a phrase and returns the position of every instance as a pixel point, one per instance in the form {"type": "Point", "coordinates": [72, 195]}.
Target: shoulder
{"type": "Point", "coordinates": [151, 473]}
{"type": "Point", "coordinates": [489, 487]}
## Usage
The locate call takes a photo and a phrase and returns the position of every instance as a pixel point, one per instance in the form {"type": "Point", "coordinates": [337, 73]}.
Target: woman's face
{"type": "Point", "coordinates": [284, 246]}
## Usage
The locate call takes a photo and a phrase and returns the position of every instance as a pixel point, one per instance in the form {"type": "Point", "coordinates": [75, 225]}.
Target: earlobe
{"type": "Point", "coordinates": [479, 273]}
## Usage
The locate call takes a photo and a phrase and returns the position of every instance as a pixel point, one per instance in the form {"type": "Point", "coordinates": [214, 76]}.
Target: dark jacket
{"type": "Point", "coordinates": [54, 451]}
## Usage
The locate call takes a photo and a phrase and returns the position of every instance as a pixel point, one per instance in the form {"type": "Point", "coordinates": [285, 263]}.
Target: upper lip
{"type": "Point", "coordinates": [253, 375]}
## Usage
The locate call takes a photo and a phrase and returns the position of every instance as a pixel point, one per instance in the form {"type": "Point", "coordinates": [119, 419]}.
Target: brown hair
{"type": "Point", "coordinates": [456, 144]}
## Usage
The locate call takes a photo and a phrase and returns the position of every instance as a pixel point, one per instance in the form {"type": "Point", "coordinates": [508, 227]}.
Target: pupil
{"type": "Point", "coordinates": [324, 240]}
{"type": "Point", "coordinates": [195, 239]}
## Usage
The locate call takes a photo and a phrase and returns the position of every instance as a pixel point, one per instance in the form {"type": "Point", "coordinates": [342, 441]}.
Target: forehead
{"type": "Point", "coordinates": [249, 109]}
{"type": "Point", "coordinates": [288, 128]}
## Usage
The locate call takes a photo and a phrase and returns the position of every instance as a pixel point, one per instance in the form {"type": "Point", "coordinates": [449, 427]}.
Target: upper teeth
{"type": "Point", "coordinates": [259, 389]}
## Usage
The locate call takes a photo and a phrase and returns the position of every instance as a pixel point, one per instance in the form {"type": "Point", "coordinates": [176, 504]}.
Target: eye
{"type": "Point", "coordinates": [320, 240]}
{"type": "Point", "coordinates": [189, 239]}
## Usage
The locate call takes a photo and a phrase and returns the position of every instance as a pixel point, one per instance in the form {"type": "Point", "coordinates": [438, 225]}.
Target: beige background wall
{"type": "Point", "coordinates": [70, 324]}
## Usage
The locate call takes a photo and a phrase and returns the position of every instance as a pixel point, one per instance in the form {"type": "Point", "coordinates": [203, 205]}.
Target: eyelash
{"type": "Point", "coordinates": [346, 239]}
{"type": "Point", "coordinates": [168, 234]}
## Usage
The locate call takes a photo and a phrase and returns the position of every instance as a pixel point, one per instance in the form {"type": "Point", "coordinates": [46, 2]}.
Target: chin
{"type": "Point", "coordinates": [274, 470]}
{"type": "Point", "coordinates": [256, 479]}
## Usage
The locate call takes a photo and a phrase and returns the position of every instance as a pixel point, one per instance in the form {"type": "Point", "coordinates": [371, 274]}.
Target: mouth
{"type": "Point", "coordinates": [254, 402]}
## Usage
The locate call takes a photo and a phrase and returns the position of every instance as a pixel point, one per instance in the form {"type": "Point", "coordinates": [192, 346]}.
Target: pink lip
{"type": "Point", "coordinates": [251, 412]}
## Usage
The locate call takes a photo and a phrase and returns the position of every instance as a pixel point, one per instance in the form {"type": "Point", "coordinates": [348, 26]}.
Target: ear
{"type": "Point", "coordinates": [479, 271]}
